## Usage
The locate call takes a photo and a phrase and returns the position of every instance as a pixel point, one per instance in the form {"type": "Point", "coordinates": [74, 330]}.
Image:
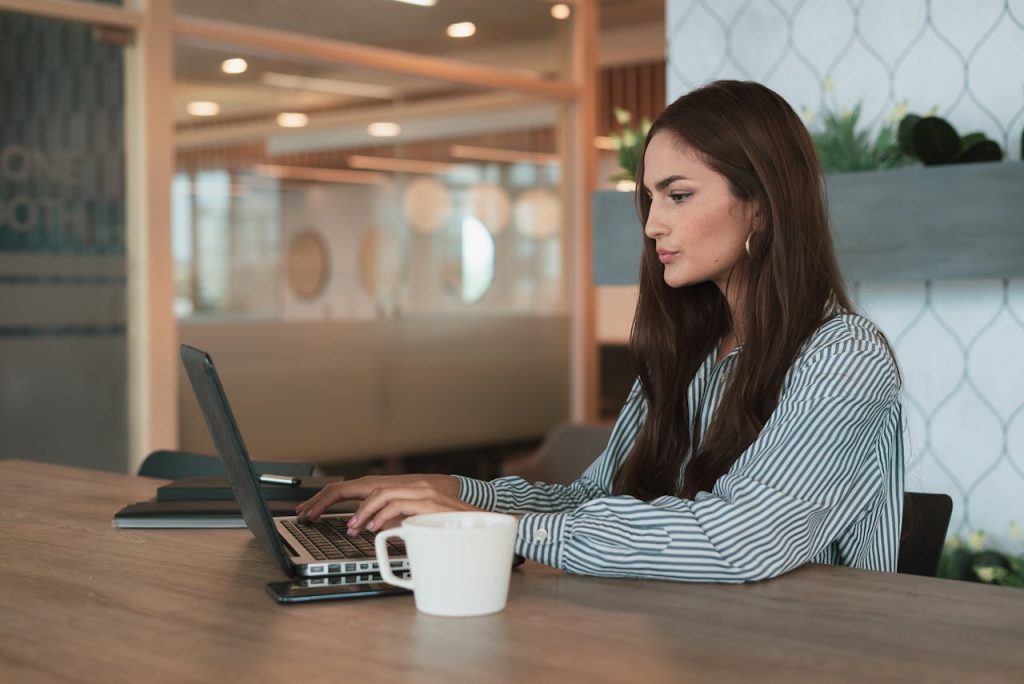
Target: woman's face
{"type": "Point", "coordinates": [697, 224]}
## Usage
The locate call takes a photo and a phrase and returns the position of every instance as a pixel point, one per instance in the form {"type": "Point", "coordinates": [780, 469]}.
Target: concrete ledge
{"type": "Point", "coordinates": [943, 222]}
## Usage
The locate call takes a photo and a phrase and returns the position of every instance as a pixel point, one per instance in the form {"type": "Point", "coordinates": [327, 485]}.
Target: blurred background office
{"type": "Point", "coordinates": [395, 225]}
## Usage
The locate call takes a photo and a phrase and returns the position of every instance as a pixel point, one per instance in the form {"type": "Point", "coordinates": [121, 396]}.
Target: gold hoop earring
{"type": "Point", "coordinates": [746, 245]}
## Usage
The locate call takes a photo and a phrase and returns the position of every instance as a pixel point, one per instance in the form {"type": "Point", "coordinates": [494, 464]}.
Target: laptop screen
{"type": "Point", "coordinates": [227, 439]}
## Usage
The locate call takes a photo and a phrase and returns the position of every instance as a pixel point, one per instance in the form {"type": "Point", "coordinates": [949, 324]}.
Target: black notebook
{"type": "Point", "coordinates": [200, 514]}
{"type": "Point", "coordinates": [218, 489]}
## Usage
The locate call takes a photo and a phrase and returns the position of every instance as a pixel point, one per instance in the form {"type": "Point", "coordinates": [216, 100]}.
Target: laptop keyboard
{"type": "Point", "coordinates": [328, 539]}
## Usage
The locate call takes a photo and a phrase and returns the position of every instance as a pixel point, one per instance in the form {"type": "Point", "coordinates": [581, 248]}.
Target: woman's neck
{"type": "Point", "coordinates": [733, 337]}
{"type": "Point", "coordinates": [728, 343]}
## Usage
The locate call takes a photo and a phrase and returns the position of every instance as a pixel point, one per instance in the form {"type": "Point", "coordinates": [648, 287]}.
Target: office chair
{"type": "Point", "coordinates": [925, 521]}
{"type": "Point", "coordinates": [173, 465]}
{"type": "Point", "coordinates": [566, 452]}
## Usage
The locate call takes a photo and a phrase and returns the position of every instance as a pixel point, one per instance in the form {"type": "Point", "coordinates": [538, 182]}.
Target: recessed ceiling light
{"type": "Point", "coordinates": [421, 3]}
{"type": "Point", "coordinates": [463, 29]}
{"type": "Point", "coordinates": [292, 120]}
{"type": "Point", "coordinates": [561, 11]}
{"type": "Point", "coordinates": [384, 129]}
{"type": "Point", "coordinates": [235, 65]}
{"type": "Point", "coordinates": [203, 108]}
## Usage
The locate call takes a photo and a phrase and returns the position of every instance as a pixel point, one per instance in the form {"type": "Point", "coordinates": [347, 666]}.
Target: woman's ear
{"type": "Point", "coordinates": [758, 221]}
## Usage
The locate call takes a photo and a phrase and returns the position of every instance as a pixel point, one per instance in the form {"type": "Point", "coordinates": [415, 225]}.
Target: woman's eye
{"type": "Point", "coordinates": [679, 196]}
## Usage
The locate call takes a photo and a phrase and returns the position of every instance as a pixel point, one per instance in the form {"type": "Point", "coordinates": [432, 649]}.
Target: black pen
{"type": "Point", "coordinates": [282, 480]}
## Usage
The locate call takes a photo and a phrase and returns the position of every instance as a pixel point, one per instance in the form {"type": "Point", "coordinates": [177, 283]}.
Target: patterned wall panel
{"type": "Point", "coordinates": [960, 344]}
{"type": "Point", "coordinates": [62, 245]}
{"type": "Point", "coordinates": [961, 58]}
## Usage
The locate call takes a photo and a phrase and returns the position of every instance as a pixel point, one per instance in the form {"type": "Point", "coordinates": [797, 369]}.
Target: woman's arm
{"type": "Point", "coordinates": [814, 470]}
{"type": "Point", "coordinates": [386, 500]}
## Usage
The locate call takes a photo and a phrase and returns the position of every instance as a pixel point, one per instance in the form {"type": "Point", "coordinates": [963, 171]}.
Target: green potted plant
{"type": "Point", "coordinates": [843, 147]}
{"type": "Point", "coordinates": [972, 561]}
{"type": "Point", "coordinates": [934, 141]}
{"type": "Point", "coordinates": [629, 143]}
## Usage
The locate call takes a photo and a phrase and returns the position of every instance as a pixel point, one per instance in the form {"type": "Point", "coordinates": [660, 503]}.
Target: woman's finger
{"type": "Point", "coordinates": [314, 507]}
{"type": "Point", "coordinates": [380, 498]}
{"type": "Point", "coordinates": [397, 509]}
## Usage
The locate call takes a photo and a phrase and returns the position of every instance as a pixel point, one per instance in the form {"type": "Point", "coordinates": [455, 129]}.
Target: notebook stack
{"type": "Point", "coordinates": [208, 502]}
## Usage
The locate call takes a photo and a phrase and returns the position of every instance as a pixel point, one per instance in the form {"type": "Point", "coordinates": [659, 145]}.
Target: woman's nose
{"type": "Point", "coordinates": [653, 228]}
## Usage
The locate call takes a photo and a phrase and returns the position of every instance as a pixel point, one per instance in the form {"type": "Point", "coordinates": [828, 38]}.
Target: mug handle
{"type": "Point", "coordinates": [380, 544]}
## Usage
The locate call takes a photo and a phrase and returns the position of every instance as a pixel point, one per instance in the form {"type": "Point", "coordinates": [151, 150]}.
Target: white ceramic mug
{"type": "Point", "coordinates": [460, 561]}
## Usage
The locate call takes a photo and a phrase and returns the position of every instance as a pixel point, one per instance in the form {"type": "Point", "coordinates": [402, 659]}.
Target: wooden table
{"type": "Point", "coordinates": [81, 601]}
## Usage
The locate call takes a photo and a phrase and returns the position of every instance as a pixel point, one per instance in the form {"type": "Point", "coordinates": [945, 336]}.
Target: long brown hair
{"type": "Point", "coordinates": [752, 137]}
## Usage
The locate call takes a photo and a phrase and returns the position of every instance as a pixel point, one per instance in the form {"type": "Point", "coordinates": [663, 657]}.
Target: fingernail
{"type": "Point", "coordinates": [353, 521]}
{"type": "Point", "coordinates": [371, 525]}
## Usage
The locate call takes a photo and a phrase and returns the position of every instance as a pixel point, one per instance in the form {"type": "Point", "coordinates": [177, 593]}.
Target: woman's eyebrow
{"type": "Point", "coordinates": [665, 182]}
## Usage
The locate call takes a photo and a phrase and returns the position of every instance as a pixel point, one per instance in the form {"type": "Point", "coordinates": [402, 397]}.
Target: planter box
{"type": "Point", "coordinates": [944, 222]}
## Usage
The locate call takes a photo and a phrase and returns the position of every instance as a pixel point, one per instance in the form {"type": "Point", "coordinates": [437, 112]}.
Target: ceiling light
{"type": "Point", "coordinates": [384, 129]}
{"type": "Point", "coordinates": [292, 120]}
{"type": "Point", "coordinates": [235, 65]}
{"type": "Point", "coordinates": [463, 29]}
{"type": "Point", "coordinates": [560, 11]}
{"type": "Point", "coordinates": [319, 175]}
{"type": "Point", "coordinates": [497, 154]}
{"type": "Point", "coordinates": [328, 85]}
{"type": "Point", "coordinates": [203, 108]}
{"type": "Point", "coordinates": [399, 165]}
{"type": "Point", "coordinates": [421, 3]}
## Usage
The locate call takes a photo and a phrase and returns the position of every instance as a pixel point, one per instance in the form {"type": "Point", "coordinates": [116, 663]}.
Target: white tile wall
{"type": "Point", "coordinates": [960, 344]}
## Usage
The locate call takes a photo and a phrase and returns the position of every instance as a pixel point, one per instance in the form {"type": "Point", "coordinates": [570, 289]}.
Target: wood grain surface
{"type": "Point", "coordinates": [83, 602]}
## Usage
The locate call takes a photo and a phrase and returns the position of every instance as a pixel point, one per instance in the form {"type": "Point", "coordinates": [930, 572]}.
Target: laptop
{"type": "Point", "coordinates": [318, 549]}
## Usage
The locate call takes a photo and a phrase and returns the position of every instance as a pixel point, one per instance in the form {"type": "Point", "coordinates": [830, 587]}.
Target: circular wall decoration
{"type": "Point", "coordinates": [538, 213]}
{"type": "Point", "coordinates": [467, 268]}
{"type": "Point", "coordinates": [490, 204]}
{"type": "Point", "coordinates": [308, 264]}
{"type": "Point", "coordinates": [427, 205]}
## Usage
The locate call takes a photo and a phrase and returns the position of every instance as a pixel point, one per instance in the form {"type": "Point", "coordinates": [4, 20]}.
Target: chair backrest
{"type": "Point", "coordinates": [565, 453]}
{"type": "Point", "coordinates": [173, 465]}
{"type": "Point", "coordinates": [925, 521]}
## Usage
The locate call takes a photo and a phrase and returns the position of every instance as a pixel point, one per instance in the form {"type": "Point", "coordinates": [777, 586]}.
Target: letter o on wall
{"type": "Point", "coordinates": [22, 214]}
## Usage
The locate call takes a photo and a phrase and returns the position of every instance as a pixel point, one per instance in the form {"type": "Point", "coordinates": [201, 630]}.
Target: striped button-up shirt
{"type": "Point", "coordinates": [822, 482]}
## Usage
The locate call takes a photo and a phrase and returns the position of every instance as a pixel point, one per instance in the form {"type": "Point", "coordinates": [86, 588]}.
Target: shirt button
{"type": "Point", "coordinates": [540, 535]}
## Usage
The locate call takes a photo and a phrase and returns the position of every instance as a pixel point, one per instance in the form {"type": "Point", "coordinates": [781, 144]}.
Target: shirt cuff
{"type": "Point", "coordinates": [477, 492]}
{"type": "Point", "coordinates": [542, 537]}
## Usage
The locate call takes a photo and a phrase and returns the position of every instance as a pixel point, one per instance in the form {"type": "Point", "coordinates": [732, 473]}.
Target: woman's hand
{"type": "Point", "coordinates": [387, 499]}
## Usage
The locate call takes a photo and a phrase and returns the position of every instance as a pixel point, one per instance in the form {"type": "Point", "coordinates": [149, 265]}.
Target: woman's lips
{"type": "Point", "coordinates": [665, 256]}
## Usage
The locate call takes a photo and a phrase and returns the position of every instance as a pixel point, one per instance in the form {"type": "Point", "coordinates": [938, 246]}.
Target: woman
{"type": "Point", "coordinates": [764, 431]}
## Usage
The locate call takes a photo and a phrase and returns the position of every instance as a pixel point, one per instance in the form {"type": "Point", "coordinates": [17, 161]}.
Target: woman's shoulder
{"type": "Point", "coordinates": [848, 334]}
{"type": "Point", "coordinates": [847, 327]}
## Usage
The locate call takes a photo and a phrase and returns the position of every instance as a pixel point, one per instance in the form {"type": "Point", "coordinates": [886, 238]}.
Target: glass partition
{"type": "Point", "coordinates": [319, 191]}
